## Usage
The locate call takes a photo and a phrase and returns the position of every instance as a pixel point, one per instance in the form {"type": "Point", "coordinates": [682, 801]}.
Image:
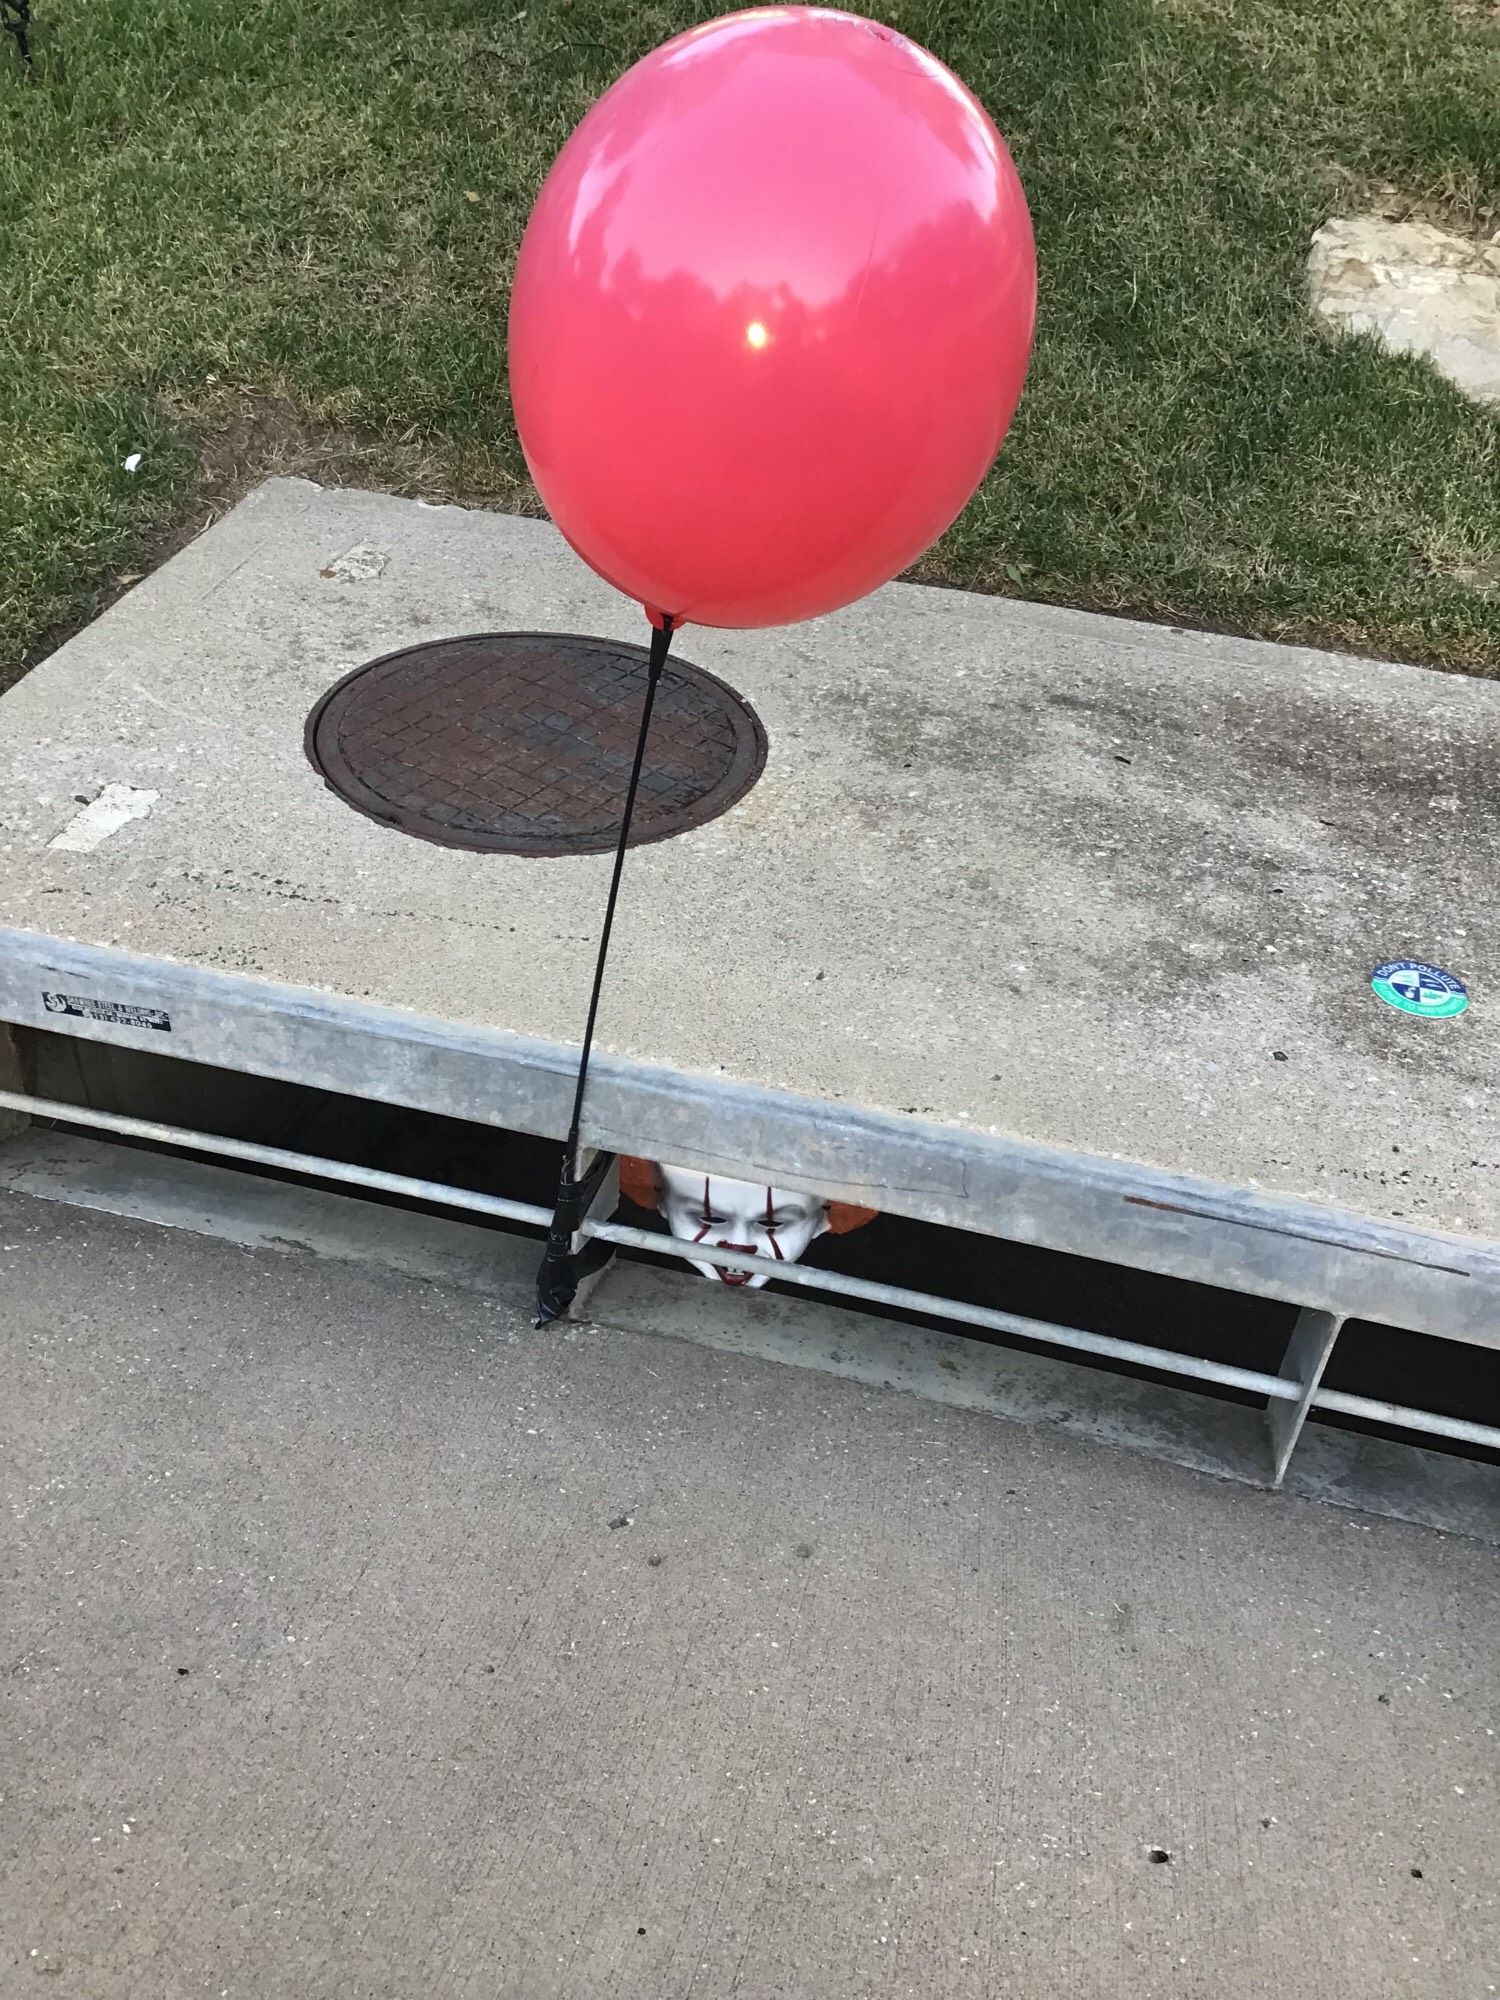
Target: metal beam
{"type": "Point", "coordinates": [1302, 1253]}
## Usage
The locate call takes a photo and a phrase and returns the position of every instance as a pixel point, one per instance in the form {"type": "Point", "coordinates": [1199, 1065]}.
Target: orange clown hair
{"type": "Point", "coordinates": [640, 1182]}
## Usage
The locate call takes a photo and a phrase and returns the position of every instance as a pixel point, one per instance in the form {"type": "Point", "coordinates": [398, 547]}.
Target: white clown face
{"type": "Point", "coordinates": [739, 1215]}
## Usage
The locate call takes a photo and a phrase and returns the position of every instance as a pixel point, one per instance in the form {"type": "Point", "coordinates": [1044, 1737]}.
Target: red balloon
{"type": "Point", "coordinates": [771, 317]}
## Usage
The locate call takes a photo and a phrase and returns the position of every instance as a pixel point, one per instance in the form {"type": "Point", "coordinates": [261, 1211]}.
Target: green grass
{"type": "Point", "coordinates": [241, 234]}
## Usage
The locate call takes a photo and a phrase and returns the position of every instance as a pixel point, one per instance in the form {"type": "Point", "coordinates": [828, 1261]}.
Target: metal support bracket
{"type": "Point", "coordinates": [11, 1122]}
{"type": "Point", "coordinates": [1306, 1357]}
{"type": "Point", "coordinates": [592, 1256]}
{"type": "Point", "coordinates": [574, 1256]}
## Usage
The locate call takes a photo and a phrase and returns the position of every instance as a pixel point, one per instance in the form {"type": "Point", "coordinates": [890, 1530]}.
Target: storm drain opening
{"type": "Point", "coordinates": [522, 742]}
{"type": "Point", "coordinates": [1103, 1317]}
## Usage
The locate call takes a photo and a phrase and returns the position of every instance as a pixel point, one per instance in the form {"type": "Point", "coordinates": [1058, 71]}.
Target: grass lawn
{"type": "Point", "coordinates": [239, 235]}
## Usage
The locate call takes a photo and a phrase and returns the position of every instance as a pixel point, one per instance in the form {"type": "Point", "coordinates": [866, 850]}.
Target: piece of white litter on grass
{"type": "Point", "coordinates": [132, 463]}
{"type": "Point", "coordinates": [116, 806]}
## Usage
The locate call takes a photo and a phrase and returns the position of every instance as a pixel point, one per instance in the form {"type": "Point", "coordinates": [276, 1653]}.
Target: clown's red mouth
{"type": "Point", "coordinates": [735, 1277]}
{"type": "Point", "coordinates": [745, 1249]}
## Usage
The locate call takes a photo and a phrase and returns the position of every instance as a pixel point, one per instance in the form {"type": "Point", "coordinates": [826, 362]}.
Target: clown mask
{"type": "Point", "coordinates": [738, 1215]}
{"type": "Point", "coordinates": [778, 1223]}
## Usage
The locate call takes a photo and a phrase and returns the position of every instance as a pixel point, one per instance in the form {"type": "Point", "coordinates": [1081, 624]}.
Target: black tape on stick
{"type": "Point", "coordinates": [557, 1280]}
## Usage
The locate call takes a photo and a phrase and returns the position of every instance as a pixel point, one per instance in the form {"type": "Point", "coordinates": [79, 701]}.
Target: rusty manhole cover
{"type": "Point", "coordinates": [521, 743]}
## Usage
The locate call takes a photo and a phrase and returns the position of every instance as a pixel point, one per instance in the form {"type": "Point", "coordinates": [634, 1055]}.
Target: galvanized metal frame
{"type": "Point", "coordinates": [1290, 1396]}
{"type": "Point", "coordinates": [1303, 1253]}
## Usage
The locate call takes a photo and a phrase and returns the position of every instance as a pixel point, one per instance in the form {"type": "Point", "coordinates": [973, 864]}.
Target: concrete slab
{"type": "Point", "coordinates": [1014, 877]}
{"type": "Point", "coordinates": [364, 1643]}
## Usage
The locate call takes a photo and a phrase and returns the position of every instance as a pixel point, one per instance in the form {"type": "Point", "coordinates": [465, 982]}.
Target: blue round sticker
{"type": "Point", "coordinates": [1414, 988]}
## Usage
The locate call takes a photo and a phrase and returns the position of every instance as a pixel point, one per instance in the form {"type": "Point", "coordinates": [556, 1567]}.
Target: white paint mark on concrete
{"type": "Point", "coordinates": [1417, 288]}
{"type": "Point", "coordinates": [116, 806]}
{"type": "Point", "coordinates": [357, 565]}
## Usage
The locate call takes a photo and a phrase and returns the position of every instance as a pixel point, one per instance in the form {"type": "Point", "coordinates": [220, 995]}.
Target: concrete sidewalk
{"type": "Point", "coordinates": [363, 1642]}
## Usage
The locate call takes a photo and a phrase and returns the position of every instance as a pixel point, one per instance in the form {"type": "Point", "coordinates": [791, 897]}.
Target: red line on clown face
{"type": "Point", "coordinates": [771, 1227]}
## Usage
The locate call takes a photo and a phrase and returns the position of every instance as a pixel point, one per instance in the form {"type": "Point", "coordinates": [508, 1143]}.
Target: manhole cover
{"type": "Point", "coordinates": [522, 742]}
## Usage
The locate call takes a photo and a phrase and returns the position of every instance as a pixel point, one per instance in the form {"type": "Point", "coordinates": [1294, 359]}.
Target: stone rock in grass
{"type": "Point", "coordinates": [1419, 289]}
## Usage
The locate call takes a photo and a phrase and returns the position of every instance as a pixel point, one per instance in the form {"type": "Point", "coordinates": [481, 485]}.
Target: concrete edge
{"type": "Point", "coordinates": [1165, 639]}
{"type": "Point", "coordinates": [1300, 1252]}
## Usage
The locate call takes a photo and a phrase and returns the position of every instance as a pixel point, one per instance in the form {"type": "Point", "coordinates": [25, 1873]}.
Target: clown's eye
{"type": "Point", "coordinates": [712, 1220]}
